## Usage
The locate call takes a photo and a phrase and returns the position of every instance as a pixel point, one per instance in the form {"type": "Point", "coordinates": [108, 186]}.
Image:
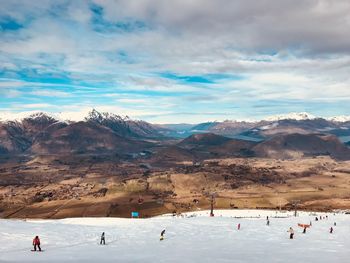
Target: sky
{"type": "Point", "coordinates": [175, 61]}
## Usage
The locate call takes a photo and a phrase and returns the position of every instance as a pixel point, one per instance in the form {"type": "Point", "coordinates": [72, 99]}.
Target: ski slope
{"type": "Point", "coordinates": [196, 237]}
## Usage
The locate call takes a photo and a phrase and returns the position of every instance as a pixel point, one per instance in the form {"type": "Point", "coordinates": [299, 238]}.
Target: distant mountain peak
{"type": "Point", "coordinates": [41, 117]}
{"type": "Point", "coordinates": [100, 117]}
{"type": "Point", "coordinates": [292, 116]}
{"type": "Point", "coordinates": [342, 118]}
{"type": "Point", "coordinates": [123, 126]}
{"type": "Point", "coordinates": [30, 115]}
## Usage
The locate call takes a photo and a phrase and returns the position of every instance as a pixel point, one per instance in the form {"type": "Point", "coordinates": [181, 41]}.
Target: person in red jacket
{"type": "Point", "coordinates": [36, 243]}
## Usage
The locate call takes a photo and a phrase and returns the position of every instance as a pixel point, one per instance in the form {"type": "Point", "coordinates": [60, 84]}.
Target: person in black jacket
{"type": "Point", "coordinates": [304, 231]}
{"type": "Point", "coordinates": [162, 235]}
{"type": "Point", "coordinates": [103, 239]}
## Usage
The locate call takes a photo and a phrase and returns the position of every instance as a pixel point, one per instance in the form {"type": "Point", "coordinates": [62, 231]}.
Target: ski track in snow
{"type": "Point", "coordinates": [187, 239]}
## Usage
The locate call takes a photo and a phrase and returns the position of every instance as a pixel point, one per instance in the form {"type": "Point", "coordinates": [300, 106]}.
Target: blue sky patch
{"type": "Point", "coordinates": [9, 24]}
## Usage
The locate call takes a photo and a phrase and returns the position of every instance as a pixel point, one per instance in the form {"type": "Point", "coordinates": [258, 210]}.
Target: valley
{"type": "Point", "coordinates": [108, 166]}
{"type": "Point", "coordinates": [44, 190]}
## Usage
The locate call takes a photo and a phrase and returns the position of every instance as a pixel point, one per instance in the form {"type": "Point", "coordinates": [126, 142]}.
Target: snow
{"type": "Point", "coordinates": [342, 118]}
{"type": "Point", "coordinates": [81, 115]}
{"type": "Point", "coordinates": [291, 116]}
{"type": "Point", "coordinates": [193, 238]}
{"type": "Point", "coordinates": [270, 126]}
{"type": "Point", "coordinates": [19, 116]}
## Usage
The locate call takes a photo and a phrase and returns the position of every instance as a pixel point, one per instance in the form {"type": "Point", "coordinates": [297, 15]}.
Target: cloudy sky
{"type": "Point", "coordinates": [175, 61]}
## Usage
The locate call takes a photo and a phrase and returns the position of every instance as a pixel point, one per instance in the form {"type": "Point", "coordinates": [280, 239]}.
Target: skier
{"type": "Point", "coordinates": [316, 219]}
{"type": "Point", "coordinates": [36, 243]}
{"type": "Point", "coordinates": [103, 239]}
{"type": "Point", "coordinates": [331, 230]}
{"type": "Point", "coordinates": [268, 222]}
{"type": "Point", "coordinates": [239, 226]}
{"type": "Point", "coordinates": [304, 231]}
{"type": "Point", "coordinates": [310, 223]}
{"type": "Point", "coordinates": [335, 223]}
{"type": "Point", "coordinates": [291, 233]}
{"type": "Point", "coordinates": [162, 235]}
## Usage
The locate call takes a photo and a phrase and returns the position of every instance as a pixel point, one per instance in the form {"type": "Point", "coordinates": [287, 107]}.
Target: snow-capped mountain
{"type": "Point", "coordinates": [303, 123]}
{"type": "Point", "coordinates": [101, 117]}
{"type": "Point", "coordinates": [306, 116]}
{"type": "Point", "coordinates": [342, 118]}
{"type": "Point", "coordinates": [124, 126]}
{"type": "Point", "coordinates": [98, 116]}
{"type": "Point", "coordinates": [291, 116]}
{"type": "Point", "coordinates": [43, 133]}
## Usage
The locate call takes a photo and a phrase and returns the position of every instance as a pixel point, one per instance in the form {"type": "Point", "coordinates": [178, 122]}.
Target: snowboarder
{"type": "Point", "coordinates": [162, 235]}
{"type": "Point", "coordinates": [36, 243]}
{"type": "Point", "coordinates": [291, 233]}
{"type": "Point", "coordinates": [239, 226]}
{"type": "Point", "coordinates": [331, 230]}
{"type": "Point", "coordinates": [103, 239]}
{"type": "Point", "coordinates": [304, 231]}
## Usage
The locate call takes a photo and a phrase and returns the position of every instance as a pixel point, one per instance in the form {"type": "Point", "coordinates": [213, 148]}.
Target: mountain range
{"type": "Point", "coordinates": [105, 133]}
{"type": "Point", "coordinates": [258, 131]}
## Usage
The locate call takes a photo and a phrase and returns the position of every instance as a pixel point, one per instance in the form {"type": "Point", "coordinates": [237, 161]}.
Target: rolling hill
{"type": "Point", "coordinates": [299, 145]}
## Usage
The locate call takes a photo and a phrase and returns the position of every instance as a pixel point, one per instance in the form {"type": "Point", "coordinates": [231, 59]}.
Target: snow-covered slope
{"type": "Point", "coordinates": [189, 239]}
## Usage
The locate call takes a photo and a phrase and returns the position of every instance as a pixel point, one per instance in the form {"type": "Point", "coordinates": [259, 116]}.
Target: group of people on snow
{"type": "Point", "coordinates": [36, 240]}
{"type": "Point", "coordinates": [291, 231]}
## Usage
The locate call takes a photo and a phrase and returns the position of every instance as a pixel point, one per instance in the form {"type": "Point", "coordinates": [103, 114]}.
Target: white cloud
{"type": "Point", "coordinates": [283, 50]}
{"type": "Point", "coordinates": [34, 105]}
{"type": "Point", "coordinates": [49, 93]}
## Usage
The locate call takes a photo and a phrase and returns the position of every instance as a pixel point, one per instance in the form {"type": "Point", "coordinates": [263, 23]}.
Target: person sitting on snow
{"type": "Point", "coordinates": [36, 243]}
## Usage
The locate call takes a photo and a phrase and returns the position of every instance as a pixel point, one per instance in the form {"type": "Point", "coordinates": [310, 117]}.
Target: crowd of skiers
{"type": "Point", "coordinates": [36, 240]}
{"type": "Point", "coordinates": [291, 230]}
